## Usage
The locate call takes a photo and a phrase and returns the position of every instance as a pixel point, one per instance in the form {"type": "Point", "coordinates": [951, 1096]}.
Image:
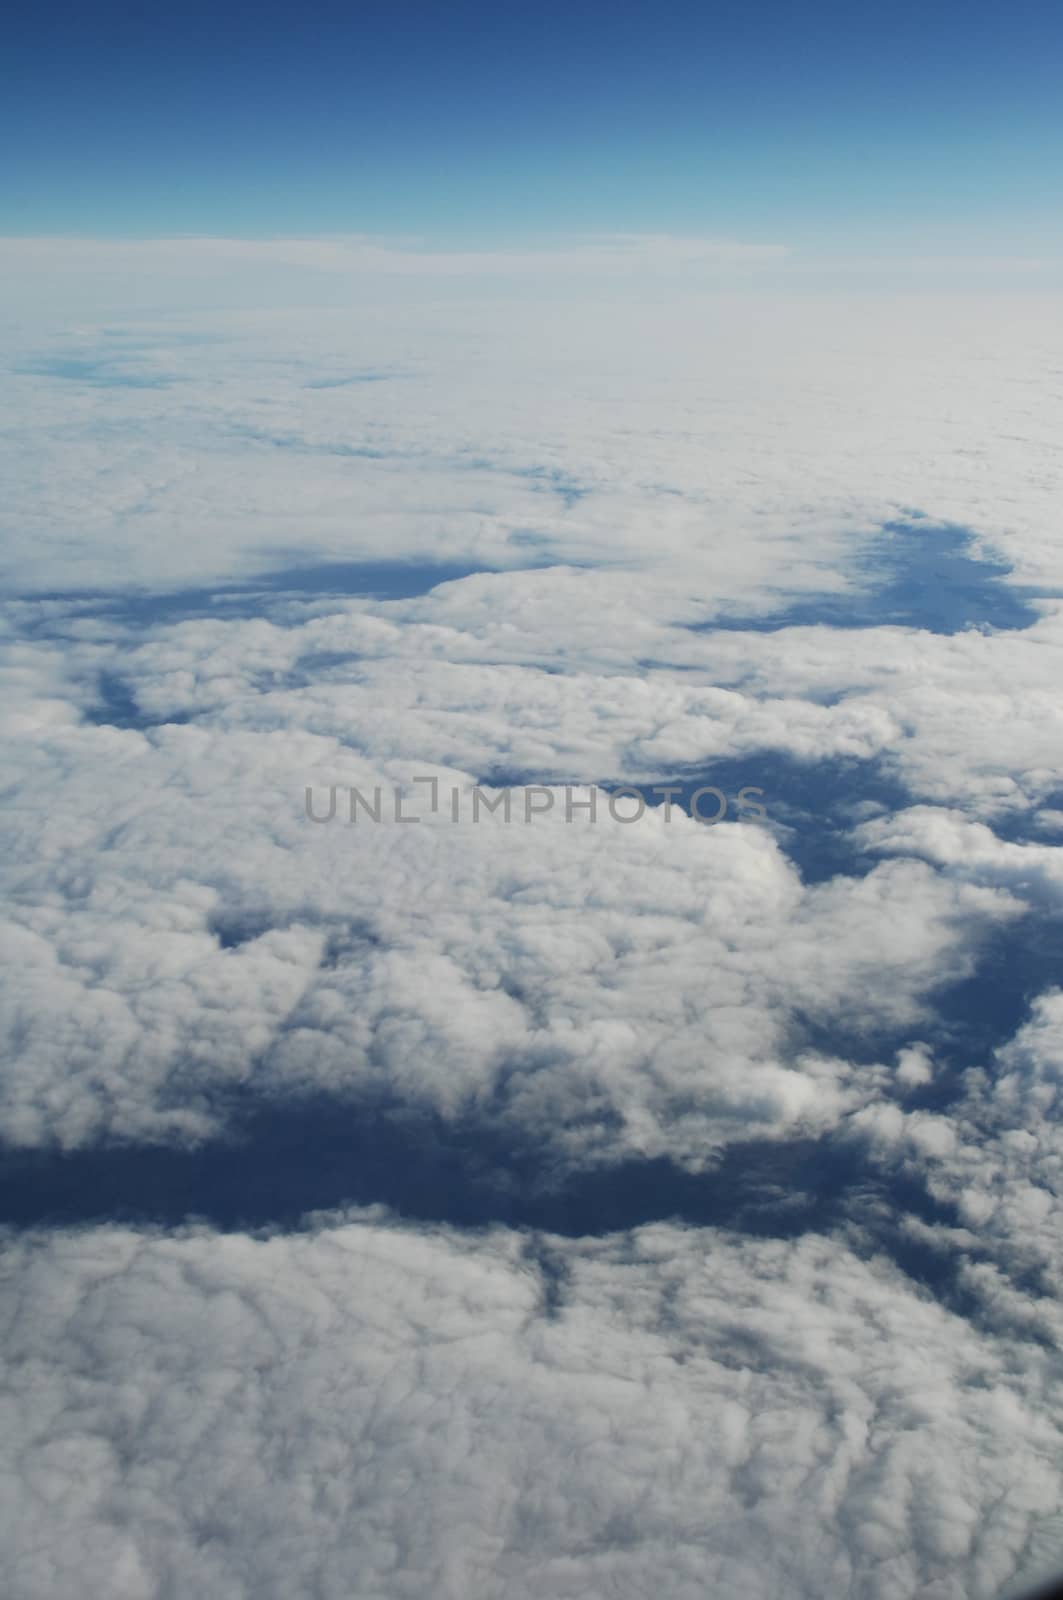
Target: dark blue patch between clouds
{"type": "Point", "coordinates": [916, 575]}
{"type": "Point", "coordinates": [810, 807]}
{"type": "Point", "coordinates": [355, 580]}
{"type": "Point", "coordinates": [116, 704]}
{"type": "Point", "coordinates": [290, 1160]}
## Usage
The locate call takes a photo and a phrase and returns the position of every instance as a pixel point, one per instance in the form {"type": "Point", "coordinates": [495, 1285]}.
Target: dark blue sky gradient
{"type": "Point", "coordinates": [471, 122]}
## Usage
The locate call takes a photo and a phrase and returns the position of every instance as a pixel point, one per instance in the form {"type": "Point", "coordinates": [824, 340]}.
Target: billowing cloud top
{"type": "Point", "coordinates": [499, 1184]}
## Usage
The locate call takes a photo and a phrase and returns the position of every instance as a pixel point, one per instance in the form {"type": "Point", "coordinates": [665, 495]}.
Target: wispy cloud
{"type": "Point", "coordinates": [357, 253]}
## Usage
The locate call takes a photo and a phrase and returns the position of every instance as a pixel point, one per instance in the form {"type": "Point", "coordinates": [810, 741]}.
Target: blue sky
{"type": "Point", "coordinates": [844, 125]}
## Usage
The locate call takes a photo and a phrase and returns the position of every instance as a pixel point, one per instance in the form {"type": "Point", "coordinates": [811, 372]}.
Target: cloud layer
{"type": "Point", "coordinates": [362, 1409]}
{"type": "Point", "coordinates": [544, 546]}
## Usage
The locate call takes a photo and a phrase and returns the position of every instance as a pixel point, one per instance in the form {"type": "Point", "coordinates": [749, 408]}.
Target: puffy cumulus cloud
{"type": "Point", "coordinates": [554, 674]}
{"type": "Point", "coordinates": [978, 717]}
{"type": "Point", "coordinates": [360, 1408]}
{"type": "Point", "coordinates": [181, 929]}
{"type": "Point", "coordinates": [186, 933]}
{"type": "Point", "coordinates": [400, 688]}
{"type": "Point", "coordinates": [365, 1409]}
{"type": "Point", "coordinates": [952, 840]}
{"type": "Point", "coordinates": [992, 1152]}
{"type": "Point", "coordinates": [566, 672]}
{"type": "Point", "coordinates": [1007, 1174]}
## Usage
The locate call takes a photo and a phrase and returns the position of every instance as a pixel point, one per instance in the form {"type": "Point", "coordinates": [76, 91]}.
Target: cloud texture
{"type": "Point", "coordinates": [549, 547]}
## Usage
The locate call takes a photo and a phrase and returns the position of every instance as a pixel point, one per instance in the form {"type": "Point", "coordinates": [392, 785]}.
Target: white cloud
{"type": "Point", "coordinates": [365, 1408]}
{"type": "Point", "coordinates": [736, 443]}
{"type": "Point", "coordinates": [359, 1407]}
{"type": "Point", "coordinates": [562, 970]}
